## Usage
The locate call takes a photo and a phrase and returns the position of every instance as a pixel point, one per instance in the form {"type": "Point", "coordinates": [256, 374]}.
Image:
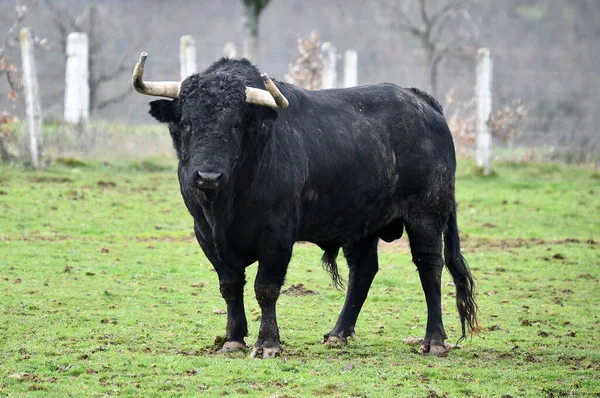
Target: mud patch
{"type": "Point", "coordinates": [49, 179]}
{"type": "Point", "coordinates": [471, 244]}
{"type": "Point", "coordinates": [167, 239]}
{"type": "Point", "coordinates": [298, 290]}
{"type": "Point", "coordinates": [106, 184]}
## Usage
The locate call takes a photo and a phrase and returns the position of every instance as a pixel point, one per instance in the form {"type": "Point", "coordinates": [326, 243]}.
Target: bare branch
{"type": "Point", "coordinates": [62, 21]}
{"type": "Point", "coordinates": [405, 22]}
{"type": "Point", "coordinates": [108, 76]}
{"type": "Point", "coordinates": [116, 98]}
{"type": "Point", "coordinates": [423, 11]}
{"type": "Point", "coordinates": [430, 27]}
{"type": "Point", "coordinates": [22, 11]}
{"type": "Point", "coordinates": [452, 7]}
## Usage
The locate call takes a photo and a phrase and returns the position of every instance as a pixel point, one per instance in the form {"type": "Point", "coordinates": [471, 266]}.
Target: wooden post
{"type": "Point", "coordinates": [77, 88]}
{"type": "Point", "coordinates": [329, 65]}
{"type": "Point", "coordinates": [187, 56]}
{"type": "Point", "coordinates": [32, 97]}
{"type": "Point", "coordinates": [350, 68]}
{"type": "Point", "coordinates": [229, 50]}
{"type": "Point", "coordinates": [483, 91]}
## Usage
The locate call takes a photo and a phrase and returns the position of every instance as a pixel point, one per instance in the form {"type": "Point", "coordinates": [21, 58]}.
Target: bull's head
{"type": "Point", "coordinates": [209, 118]}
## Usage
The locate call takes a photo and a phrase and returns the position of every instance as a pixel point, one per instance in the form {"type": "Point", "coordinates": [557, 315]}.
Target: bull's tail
{"type": "Point", "coordinates": [330, 265]}
{"type": "Point", "coordinates": [463, 280]}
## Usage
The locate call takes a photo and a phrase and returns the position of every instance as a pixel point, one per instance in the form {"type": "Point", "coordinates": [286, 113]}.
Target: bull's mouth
{"type": "Point", "coordinates": [209, 194]}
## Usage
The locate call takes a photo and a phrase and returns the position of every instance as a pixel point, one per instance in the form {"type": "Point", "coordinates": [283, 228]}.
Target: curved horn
{"type": "Point", "coordinates": [158, 89]}
{"type": "Point", "coordinates": [271, 98]}
{"type": "Point", "coordinates": [281, 101]}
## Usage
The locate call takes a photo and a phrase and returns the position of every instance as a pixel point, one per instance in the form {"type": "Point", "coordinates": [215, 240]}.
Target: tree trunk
{"type": "Point", "coordinates": [250, 26]}
{"type": "Point", "coordinates": [434, 64]}
{"type": "Point", "coordinates": [93, 54]}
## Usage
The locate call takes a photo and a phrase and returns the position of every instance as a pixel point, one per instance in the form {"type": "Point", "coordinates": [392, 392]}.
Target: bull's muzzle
{"type": "Point", "coordinates": [209, 181]}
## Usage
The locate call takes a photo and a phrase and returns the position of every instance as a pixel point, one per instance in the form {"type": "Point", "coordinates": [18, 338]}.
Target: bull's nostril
{"type": "Point", "coordinates": [209, 180]}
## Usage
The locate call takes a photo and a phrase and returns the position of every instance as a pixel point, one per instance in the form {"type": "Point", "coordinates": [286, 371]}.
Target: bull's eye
{"type": "Point", "coordinates": [236, 126]}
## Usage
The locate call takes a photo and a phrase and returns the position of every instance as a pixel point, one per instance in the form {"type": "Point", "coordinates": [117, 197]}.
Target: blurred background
{"type": "Point", "coordinates": [545, 55]}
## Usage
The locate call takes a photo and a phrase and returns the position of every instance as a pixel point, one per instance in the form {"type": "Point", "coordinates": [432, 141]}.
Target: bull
{"type": "Point", "coordinates": [265, 164]}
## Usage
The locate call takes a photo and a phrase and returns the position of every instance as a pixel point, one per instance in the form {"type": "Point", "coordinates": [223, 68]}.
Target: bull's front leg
{"type": "Point", "coordinates": [231, 281]}
{"type": "Point", "coordinates": [272, 268]}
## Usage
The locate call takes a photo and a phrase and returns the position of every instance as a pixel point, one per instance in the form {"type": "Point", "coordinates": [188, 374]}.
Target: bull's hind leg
{"type": "Point", "coordinates": [272, 268]}
{"type": "Point", "coordinates": [426, 247]}
{"type": "Point", "coordinates": [362, 267]}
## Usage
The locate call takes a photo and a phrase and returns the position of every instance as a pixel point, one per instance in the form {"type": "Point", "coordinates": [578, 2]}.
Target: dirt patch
{"type": "Point", "coordinates": [25, 377]}
{"type": "Point", "coordinates": [298, 290]}
{"type": "Point", "coordinates": [470, 244]}
{"type": "Point", "coordinates": [106, 184]}
{"type": "Point", "coordinates": [55, 237]}
{"type": "Point", "coordinates": [49, 179]}
{"type": "Point", "coordinates": [166, 239]}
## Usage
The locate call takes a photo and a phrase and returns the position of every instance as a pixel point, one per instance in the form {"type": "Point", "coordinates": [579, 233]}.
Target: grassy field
{"type": "Point", "coordinates": [103, 291]}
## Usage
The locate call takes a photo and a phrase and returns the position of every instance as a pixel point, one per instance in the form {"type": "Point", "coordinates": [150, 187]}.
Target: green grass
{"type": "Point", "coordinates": [104, 292]}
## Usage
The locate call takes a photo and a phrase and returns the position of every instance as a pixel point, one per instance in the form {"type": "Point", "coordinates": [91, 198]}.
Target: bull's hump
{"type": "Point", "coordinates": [428, 98]}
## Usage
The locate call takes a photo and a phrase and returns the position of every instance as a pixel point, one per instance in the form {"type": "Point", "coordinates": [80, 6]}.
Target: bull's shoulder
{"type": "Point", "coordinates": [428, 98]}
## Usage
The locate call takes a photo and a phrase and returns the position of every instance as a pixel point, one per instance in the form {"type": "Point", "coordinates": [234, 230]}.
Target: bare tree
{"type": "Point", "coordinates": [6, 66]}
{"type": "Point", "coordinates": [96, 25]}
{"type": "Point", "coordinates": [15, 81]}
{"type": "Point", "coordinates": [252, 10]}
{"type": "Point", "coordinates": [448, 30]}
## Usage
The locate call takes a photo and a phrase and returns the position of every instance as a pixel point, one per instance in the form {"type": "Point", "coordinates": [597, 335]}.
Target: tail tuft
{"type": "Point", "coordinates": [461, 275]}
{"type": "Point", "coordinates": [330, 265]}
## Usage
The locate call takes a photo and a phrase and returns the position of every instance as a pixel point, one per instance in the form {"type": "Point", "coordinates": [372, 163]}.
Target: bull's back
{"type": "Point", "coordinates": [368, 149]}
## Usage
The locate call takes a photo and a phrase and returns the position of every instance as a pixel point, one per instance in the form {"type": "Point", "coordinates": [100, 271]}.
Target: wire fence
{"type": "Point", "coordinates": [556, 80]}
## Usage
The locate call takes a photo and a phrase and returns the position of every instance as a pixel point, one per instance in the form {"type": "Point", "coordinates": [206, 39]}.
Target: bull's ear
{"type": "Point", "coordinates": [165, 111]}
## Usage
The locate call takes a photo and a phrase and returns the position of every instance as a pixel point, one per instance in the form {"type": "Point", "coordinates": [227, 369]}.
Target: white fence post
{"type": "Point", "coordinates": [483, 91]}
{"type": "Point", "coordinates": [187, 56]}
{"type": "Point", "coordinates": [32, 97]}
{"type": "Point", "coordinates": [229, 50]}
{"type": "Point", "coordinates": [77, 88]}
{"type": "Point", "coordinates": [350, 68]}
{"type": "Point", "coordinates": [329, 77]}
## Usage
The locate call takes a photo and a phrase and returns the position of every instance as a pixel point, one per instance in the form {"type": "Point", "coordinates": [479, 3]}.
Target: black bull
{"type": "Point", "coordinates": [340, 168]}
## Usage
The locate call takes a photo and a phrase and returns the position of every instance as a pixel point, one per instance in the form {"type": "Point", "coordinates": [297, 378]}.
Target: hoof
{"type": "Point", "coordinates": [438, 350]}
{"type": "Point", "coordinates": [334, 341]}
{"type": "Point", "coordinates": [433, 349]}
{"type": "Point", "coordinates": [265, 352]}
{"type": "Point", "coordinates": [232, 346]}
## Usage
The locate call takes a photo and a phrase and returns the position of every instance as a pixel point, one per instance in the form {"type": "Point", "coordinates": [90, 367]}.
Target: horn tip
{"type": "Point", "coordinates": [265, 76]}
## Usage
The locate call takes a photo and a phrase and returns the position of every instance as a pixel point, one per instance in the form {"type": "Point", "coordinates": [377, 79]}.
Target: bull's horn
{"type": "Point", "coordinates": [158, 89]}
{"type": "Point", "coordinates": [272, 98]}
{"type": "Point", "coordinates": [281, 101]}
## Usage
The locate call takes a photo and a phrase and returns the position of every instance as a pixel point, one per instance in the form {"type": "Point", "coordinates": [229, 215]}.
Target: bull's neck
{"type": "Point", "coordinates": [258, 159]}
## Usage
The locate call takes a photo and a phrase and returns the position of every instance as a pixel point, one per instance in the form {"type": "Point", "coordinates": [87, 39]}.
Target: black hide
{"type": "Point", "coordinates": [340, 168]}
